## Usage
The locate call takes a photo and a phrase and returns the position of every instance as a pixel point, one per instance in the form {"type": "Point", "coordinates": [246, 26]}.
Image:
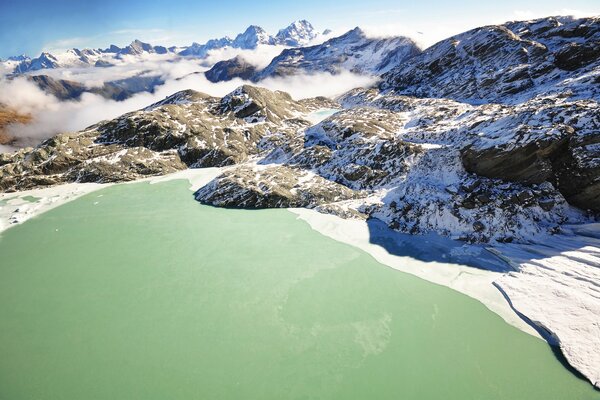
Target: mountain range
{"type": "Point", "coordinates": [299, 33]}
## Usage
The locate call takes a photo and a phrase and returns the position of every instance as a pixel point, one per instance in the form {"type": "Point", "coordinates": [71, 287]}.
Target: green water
{"type": "Point", "coordinates": [31, 199]}
{"type": "Point", "coordinates": [143, 293]}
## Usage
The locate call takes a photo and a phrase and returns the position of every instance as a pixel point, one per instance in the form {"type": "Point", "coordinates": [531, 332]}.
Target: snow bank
{"type": "Point", "coordinates": [550, 289]}
{"type": "Point", "coordinates": [474, 282]}
{"type": "Point", "coordinates": [557, 287]}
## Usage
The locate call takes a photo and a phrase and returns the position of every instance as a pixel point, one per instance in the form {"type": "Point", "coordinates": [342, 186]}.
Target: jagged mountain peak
{"type": "Point", "coordinates": [253, 36]}
{"type": "Point", "coordinates": [297, 33]}
{"type": "Point", "coordinates": [138, 47]}
{"type": "Point", "coordinates": [254, 29]}
{"type": "Point", "coordinates": [46, 54]}
{"type": "Point", "coordinates": [356, 32]}
{"type": "Point", "coordinates": [112, 49]}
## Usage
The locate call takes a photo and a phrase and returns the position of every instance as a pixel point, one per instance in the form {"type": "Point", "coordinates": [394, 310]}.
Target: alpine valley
{"type": "Point", "coordinates": [486, 143]}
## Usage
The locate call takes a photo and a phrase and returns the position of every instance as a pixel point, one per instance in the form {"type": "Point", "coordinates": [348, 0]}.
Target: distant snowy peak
{"type": "Point", "coordinates": [298, 33]}
{"type": "Point", "coordinates": [138, 47]}
{"type": "Point", "coordinates": [201, 50]}
{"type": "Point", "coordinates": [84, 58]}
{"type": "Point", "coordinates": [252, 37]}
{"type": "Point", "coordinates": [44, 61]}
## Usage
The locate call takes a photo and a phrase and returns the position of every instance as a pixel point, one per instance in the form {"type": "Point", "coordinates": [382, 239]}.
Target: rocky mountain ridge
{"type": "Point", "coordinates": [507, 63]}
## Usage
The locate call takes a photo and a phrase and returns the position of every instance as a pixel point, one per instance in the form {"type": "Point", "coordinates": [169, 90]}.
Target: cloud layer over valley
{"type": "Point", "coordinates": [51, 115]}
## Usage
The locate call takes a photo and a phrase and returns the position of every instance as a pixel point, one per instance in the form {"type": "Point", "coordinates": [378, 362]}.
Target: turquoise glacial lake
{"type": "Point", "coordinates": [137, 291]}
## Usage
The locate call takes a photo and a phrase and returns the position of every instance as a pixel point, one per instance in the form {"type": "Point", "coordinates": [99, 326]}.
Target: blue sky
{"type": "Point", "coordinates": [35, 25]}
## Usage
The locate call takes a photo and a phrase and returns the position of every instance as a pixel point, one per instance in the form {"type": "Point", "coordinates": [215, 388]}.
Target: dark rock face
{"type": "Point", "coordinates": [62, 89]}
{"type": "Point", "coordinates": [227, 70]}
{"type": "Point", "coordinates": [553, 142]}
{"type": "Point", "coordinates": [117, 90]}
{"type": "Point", "coordinates": [574, 55]}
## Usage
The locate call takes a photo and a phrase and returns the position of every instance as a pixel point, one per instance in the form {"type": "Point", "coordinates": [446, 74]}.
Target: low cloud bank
{"type": "Point", "coordinates": [52, 116]}
{"type": "Point", "coordinates": [259, 57]}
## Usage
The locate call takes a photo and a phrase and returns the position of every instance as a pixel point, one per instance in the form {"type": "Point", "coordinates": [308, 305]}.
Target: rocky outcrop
{"type": "Point", "coordinates": [544, 73]}
{"type": "Point", "coordinates": [227, 70]}
{"type": "Point", "coordinates": [436, 192]}
{"type": "Point", "coordinates": [546, 141]}
{"type": "Point", "coordinates": [272, 187]}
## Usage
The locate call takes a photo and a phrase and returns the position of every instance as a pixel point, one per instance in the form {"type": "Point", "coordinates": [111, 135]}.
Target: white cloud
{"type": "Point", "coordinates": [320, 84]}
{"type": "Point", "coordinates": [259, 57]}
{"type": "Point", "coordinates": [52, 116]}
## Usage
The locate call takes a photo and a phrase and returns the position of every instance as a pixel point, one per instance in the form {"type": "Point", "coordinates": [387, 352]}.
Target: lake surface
{"type": "Point", "coordinates": [139, 292]}
{"type": "Point", "coordinates": [317, 116]}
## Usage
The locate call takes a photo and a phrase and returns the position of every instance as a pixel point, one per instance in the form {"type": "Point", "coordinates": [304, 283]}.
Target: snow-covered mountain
{"type": "Point", "coordinates": [509, 62]}
{"type": "Point", "coordinates": [201, 50]}
{"type": "Point", "coordinates": [137, 48]}
{"type": "Point", "coordinates": [252, 37]}
{"type": "Point", "coordinates": [84, 58]}
{"type": "Point", "coordinates": [353, 51]}
{"type": "Point", "coordinates": [44, 61]}
{"type": "Point", "coordinates": [298, 33]}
